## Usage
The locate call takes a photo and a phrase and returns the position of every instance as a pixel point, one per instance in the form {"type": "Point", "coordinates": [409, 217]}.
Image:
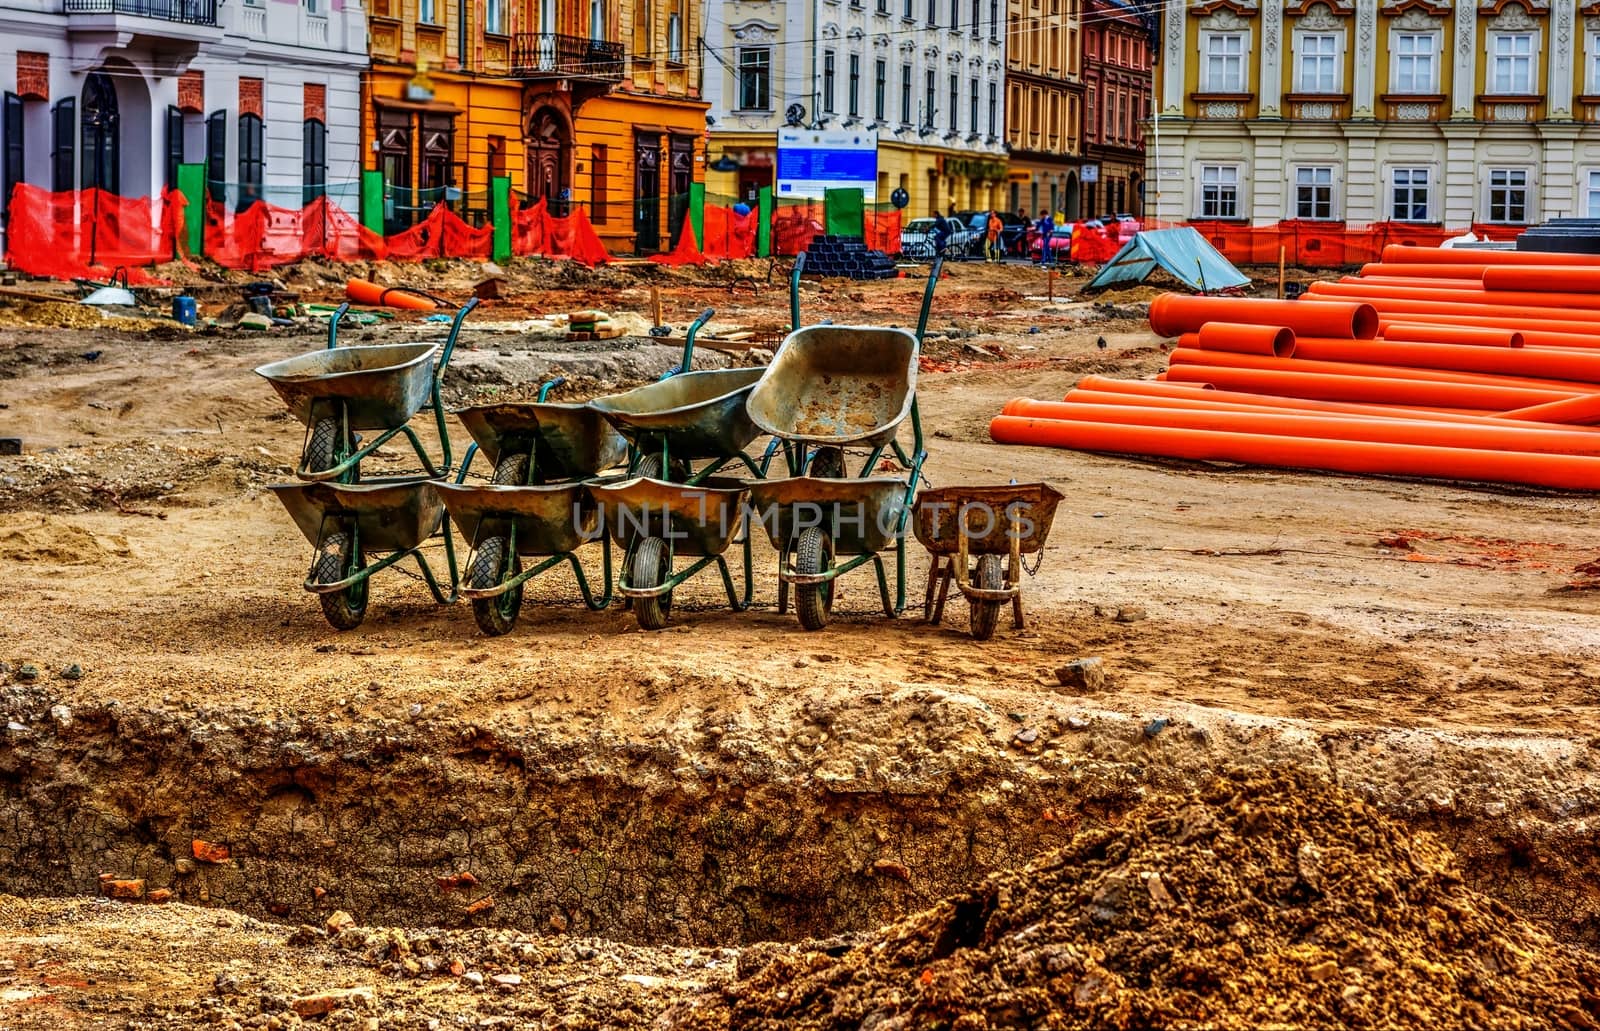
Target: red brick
{"type": "Point", "coordinates": [33, 75]}
{"type": "Point", "coordinates": [124, 889]}
{"type": "Point", "coordinates": [250, 97]}
{"type": "Point", "coordinates": [192, 92]}
{"type": "Point", "coordinates": [207, 852]}
{"type": "Point", "coordinates": [316, 102]}
{"type": "Point", "coordinates": [159, 895]}
{"type": "Point", "coordinates": [483, 905]}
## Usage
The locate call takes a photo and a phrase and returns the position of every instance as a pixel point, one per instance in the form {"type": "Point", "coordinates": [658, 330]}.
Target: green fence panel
{"type": "Point", "coordinates": [844, 212]}
{"type": "Point", "coordinates": [192, 184]}
{"type": "Point", "coordinates": [500, 215]}
{"type": "Point", "coordinates": [697, 213]}
{"type": "Point", "coordinates": [764, 223]}
{"type": "Point", "coordinates": [372, 200]}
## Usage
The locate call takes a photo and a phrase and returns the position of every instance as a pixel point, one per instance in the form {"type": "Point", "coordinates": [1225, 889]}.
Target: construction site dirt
{"type": "Point", "coordinates": [217, 810]}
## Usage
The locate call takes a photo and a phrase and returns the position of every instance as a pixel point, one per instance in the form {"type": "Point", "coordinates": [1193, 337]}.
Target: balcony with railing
{"type": "Point", "coordinates": [549, 55]}
{"type": "Point", "coordinates": [1413, 107]}
{"type": "Point", "coordinates": [1502, 107]}
{"type": "Point", "coordinates": [182, 12]}
{"type": "Point", "coordinates": [1318, 107]}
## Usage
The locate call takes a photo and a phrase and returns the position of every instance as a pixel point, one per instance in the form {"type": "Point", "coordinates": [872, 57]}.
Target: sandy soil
{"type": "Point", "coordinates": [138, 543]}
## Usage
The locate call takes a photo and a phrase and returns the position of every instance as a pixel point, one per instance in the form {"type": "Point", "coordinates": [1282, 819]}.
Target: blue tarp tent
{"type": "Point", "coordinates": [1183, 252]}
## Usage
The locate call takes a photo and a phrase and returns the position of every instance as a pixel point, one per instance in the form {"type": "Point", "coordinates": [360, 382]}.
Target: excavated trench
{"type": "Point", "coordinates": [452, 824]}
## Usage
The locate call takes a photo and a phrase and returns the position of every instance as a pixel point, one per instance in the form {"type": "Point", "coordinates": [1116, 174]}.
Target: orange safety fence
{"type": "Point", "coordinates": [264, 235]}
{"type": "Point", "coordinates": [794, 225]}
{"type": "Point", "coordinates": [729, 234]}
{"type": "Point", "coordinates": [89, 233]}
{"type": "Point", "coordinates": [536, 231]}
{"type": "Point", "coordinates": [882, 230]}
{"type": "Point", "coordinates": [1328, 244]}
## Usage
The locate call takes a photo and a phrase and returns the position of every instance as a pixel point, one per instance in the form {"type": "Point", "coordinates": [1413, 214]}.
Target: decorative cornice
{"type": "Point", "coordinates": [1495, 7]}
{"type": "Point", "coordinates": [1398, 7]}
{"type": "Point", "coordinates": [1300, 8]}
{"type": "Point", "coordinates": [1244, 8]}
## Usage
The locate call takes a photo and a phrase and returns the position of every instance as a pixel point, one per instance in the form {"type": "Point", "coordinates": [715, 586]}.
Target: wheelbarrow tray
{"type": "Point", "coordinates": [549, 520]}
{"type": "Point", "coordinates": [861, 516]}
{"type": "Point", "coordinates": [381, 386]}
{"type": "Point", "coordinates": [388, 516]}
{"type": "Point", "coordinates": [938, 517]}
{"type": "Point", "coordinates": [700, 414]}
{"type": "Point", "coordinates": [838, 385]}
{"type": "Point", "coordinates": [697, 520]}
{"type": "Point", "coordinates": [568, 441]}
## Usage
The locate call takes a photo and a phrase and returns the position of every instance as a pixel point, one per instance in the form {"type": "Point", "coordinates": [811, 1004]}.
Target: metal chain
{"type": "Point", "coordinates": [1038, 560]}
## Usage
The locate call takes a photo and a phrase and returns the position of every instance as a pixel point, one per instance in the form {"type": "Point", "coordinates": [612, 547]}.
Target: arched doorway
{"type": "Point", "coordinates": [102, 135]}
{"type": "Point", "coordinates": [549, 146]}
{"type": "Point", "coordinates": [1074, 202]}
{"type": "Point", "coordinates": [1136, 195]}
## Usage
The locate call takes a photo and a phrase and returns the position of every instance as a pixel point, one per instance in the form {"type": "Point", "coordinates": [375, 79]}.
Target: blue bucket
{"type": "Point", "coordinates": [184, 310]}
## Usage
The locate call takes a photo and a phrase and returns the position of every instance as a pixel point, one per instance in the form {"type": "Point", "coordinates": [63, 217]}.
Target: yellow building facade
{"type": "Point", "coordinates": [1440, 114]}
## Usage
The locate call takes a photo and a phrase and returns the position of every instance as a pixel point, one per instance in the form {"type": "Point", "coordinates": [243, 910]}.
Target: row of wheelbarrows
{"type": "Point", "coordinates": [651, 471]}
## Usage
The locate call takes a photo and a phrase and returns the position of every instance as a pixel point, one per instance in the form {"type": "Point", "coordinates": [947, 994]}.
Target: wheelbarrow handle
{"type": "Point", "coordinates": [450, 341]}
{"type": "Point", "coordinates": [688, 343]}
{"type": "Point", "coordinates": [927, 296]}
{"type": "Point", "coordinates": [545, 388]}
{"type": "Point", "coordinates": [333, 324]}
{"type": "Point", "coordinates": [794, 290]}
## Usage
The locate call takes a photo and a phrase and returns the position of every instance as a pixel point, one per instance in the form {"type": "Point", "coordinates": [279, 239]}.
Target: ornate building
{"type": "Point", "coordinates": [1044, 106]}
{"type": "Point", "coordinates": [1359, 111]}
{"type": "Point", "coordinates": [925, 75]}
{"type": "Point", "coordinates": [1116, 69]}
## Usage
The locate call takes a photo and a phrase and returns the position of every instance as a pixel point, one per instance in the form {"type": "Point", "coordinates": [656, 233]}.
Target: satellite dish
{"type": "Point", "coordinates": [795, 114]}
{"type": "Point", "coordinates": [899, 198]}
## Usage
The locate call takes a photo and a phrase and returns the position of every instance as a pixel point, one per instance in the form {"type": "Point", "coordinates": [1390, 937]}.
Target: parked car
{"type": "Point", "coordinates": [1012, 231]}
{"type": "Point", "coordinates": [916, 238]}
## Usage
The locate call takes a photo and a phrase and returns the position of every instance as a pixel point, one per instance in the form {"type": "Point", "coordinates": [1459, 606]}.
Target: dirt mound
{"type": "Point", "coordinates": [59, 543]}
{"type": "Point", "coordinates": [1275, 902]}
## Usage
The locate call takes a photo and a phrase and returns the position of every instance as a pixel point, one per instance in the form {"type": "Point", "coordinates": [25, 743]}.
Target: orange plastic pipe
{"type": "Point", "coordinates": [1372, 366]}
{"type": "Point", "coordinates": [1401, 254]}
{"type": "Point", "coordinates": [1062, 409]}
{"type": "Point", "coordinates": [1174, 314]}
{"type": "Point", "coordinates": [1543, 280]}
{"type": "Point", "coordinates": [1435, 271]}
{"type": "Point", "coordinates": [1246, 339]}
{"type": "Point", "coordinates": [1478, 336]}
{"type": "Point", "coordinates": [1187, 395]}
{"type": "Point", "coordinates": [1533, 331]}
{"type": "Point", "coordinates": [1577, 411]}
{"type": "Point", "coordinates": [1531, 363]}
{"type": "Point", "coordinates": [1510, 299]}
{"type": "Point", "coordinates": [1564, 320]}
{"type": "Point", "coordinates": [1417, 282]}
{"type": "Point", "coordinates": [1566, 472]}
{"type": "Point", "coordinates": [1487, 436]}
{"type": "Point", "coordinates": [363, 292]}
{"type": "Point", "coordinates": [1367, 389]}
{"type": "Point", "coordinates": [1207, 392]}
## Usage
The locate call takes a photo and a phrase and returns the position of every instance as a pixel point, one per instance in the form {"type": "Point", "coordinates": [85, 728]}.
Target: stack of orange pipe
{"type": "Point", "coordinates": [1439, 364]}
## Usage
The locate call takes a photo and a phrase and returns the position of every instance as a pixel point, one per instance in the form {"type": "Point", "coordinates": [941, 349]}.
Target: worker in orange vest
{"type": "Point", "coordinates": [991, 250]}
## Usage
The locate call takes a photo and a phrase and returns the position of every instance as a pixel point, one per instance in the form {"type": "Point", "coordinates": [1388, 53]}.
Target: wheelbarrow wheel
{"type": "Point", "coordinates": [650, 468]}
{"type": "Point", "coordinates": [990, 577]}
{"type": "Point", "coordinates": [652, 565]}
{"type": "Point", "coordinates": [495, 616]}
{"type": "Point", "coordinates": [322, 447]}
{"type": "Point", "coordinates": [827, 463]}
{"type": "Point", "coordinates": [812, 555]}
{"type": "Point", "coordinates": [511, 471]}
{"type": "Point", "coordinates": [344, 610]}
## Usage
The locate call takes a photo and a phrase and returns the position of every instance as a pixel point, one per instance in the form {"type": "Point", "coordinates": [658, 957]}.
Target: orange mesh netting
{"type": "Point", "coordinates": [88, 233]}
{"type": "Point", "coordinates": [536, 231]}
{"type": "Point", "coordinates": [882, 230]}
{"type": "Point", "coordinates": [728, 234]}
{"type": "Point", "coordinates": [794, 225]}
{"type": "Point", "coordinates": [686, 253]}
{"type": "Point", "coordinates": [264, 235]}
{"type": "Point", "coordinates": [1328, 244]}
{"type": "Point", "coordinates": [442, 234]}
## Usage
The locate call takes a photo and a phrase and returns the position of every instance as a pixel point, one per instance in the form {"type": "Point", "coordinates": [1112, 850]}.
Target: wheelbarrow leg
{"type": "Point", "coordinates": [1014, 574]}
{"type": "Point", "coordinates": [929, 589]}
{"type": "Point", "coordinates": [944, 591]}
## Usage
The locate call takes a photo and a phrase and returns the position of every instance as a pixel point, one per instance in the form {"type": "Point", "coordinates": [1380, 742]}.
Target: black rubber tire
{"type": "Point", "coordinates": [322, 446]}
{"type": "Point", "coordinates": [827, 464]}
{"type": "Point", "coordinates": [511, 471]}
{"type": "Point", "coordinates": [344, 610]}
{"type": "Point", "coordinates": [813, 603]}
{"type": "Point", "coordinates": [650, 467]}
{"type": "Point", "coordinates": [651, 566]}
{"type": "Point", "coordinates": [985, 614]}
{"type": "Point", "coordinates": [495, 616]}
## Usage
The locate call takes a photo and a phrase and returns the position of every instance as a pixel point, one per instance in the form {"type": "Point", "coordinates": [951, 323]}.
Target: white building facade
{"type": "Point", "coordinates": [927, 75]}
{"type": "Point", "coordinates": [1451, 115]}
{"type": "Point", "coordinates": [116, 94]}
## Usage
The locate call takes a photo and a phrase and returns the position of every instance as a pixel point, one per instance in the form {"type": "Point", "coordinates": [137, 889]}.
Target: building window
{"type": "Point", "coordinates": [755, 79]}
{"type": "Point", "coordinates": [1318, 70]}
{"type": "Point", "coordinates": [977, 9]}
{"type": "Point", "coordinates": [1410, 195]}
{"type": "Point", "coordinates": [883, 6]}
{"type": "Point", "coordinates": [906, 11]}
{"type": "Point", "coordinates": [492, 20]}
{"type": "Point", "coordinates": [929, 108]}
{"type": "Point", "coordinates": [1313, 193]}
{"type": "Point", "coordinates": [425, 12]}
{"type": "Point", "coordinates": [880, 89]}
{"type": "Point", "coordinates": [994, 19]}
{"type": "Point", "coordinates": [1508, 195]}
{"type": "Point", "coordinates": [994, 108]}
{"type": "Point", "coordinates": [216, 155]}
{"type": "Point", "coordinates": [674, 35]}
{"type": "Point", "coordinates": [933, 13]}
{"type": "Point", "coordinates": [314, 8]}
{"type": "Point", "coordinates": [1219, 191]}
{"type": "Point", "coordinates": [1223, 71]}
{"type": "Point", "coordinates": [313, 160]}
{"type": "Point", "coordinates": [855, 85]}
{"type": "Point", "coordinates": [955, 15]}
{"type": "Point", "coordinates": [598, 174]}
{"type": "Point", "coordinates": [251, 158]}
{"type": "Point", "coordinates": [1592, 196]}
{"type": "Point", "coordinates": [1512, 71]}
{"type": "Point", "coordinates": [955, 103]}
{"type": "Point", "coordinates": [827, 82]}
{"type": "Point", "coordinates": [972, 105]}
{"type": "Point", "coordinates": [174, 142]}
{"type": "Point", "coordinates": [1414, 64]}
{"type": "Point", "coordinates": [905, 94]}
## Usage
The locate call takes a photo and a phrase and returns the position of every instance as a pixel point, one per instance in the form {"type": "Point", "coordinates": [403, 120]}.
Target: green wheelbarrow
{"type": "Point", "coordinates": [349, 523]}
{"type": "Point", "coordinates": [506, 524]}
{"type": "Point", "coordinates": [339, 390]}
{"type": "Point", "coordinates": [533, 442]}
